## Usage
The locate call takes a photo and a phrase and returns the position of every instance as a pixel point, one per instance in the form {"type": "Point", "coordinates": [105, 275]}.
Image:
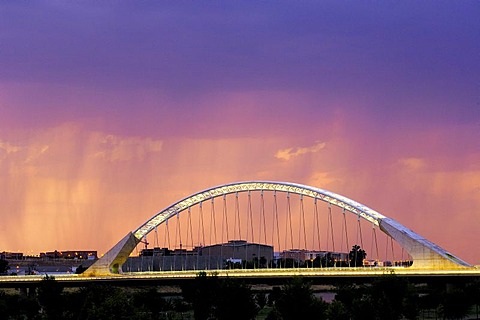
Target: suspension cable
{"type": "Point", "coordinates": [346, 234]}
{"type": "Point", "coordinates": [343, 231]}
{"type": "Point", "coordinates": [371, 239]}
{"type": "Point", "coordinates": [226, 218]}
{"type": "Point", "coordinates": [203, 233]}
{"type": "Point", "coordinates": [156, 244]}
{"type": "Point", "coordinates": [302, 210]}
{"type": "Point", "coordinates": [237, 218]}
{"type": "Point", "coordinates": [290, 218]}
{"type": "Point", "coordinates": [330, 218]}
{"type": "Point", "coordinates": [386, 249]}
{"type": "Point", "coordinates": [277, 224]}
{"type": "Point", "coordinates": [376, 242]}
{"type": "Point", "coordinates": [317, 224]}
{"type": "Point", "coordinates": [175, 242]}
{"type": "Point", "coordinates": [393, 253]}
{"type": "Point", "coordinates": [155, 238]}
{"type": "Point", "coordinates": [167, 236]}
{"type": "Point", "coordinates": [263, 214]}
{"type": "Point", "coordinates": [189, 230]}
{"type": "Point", "coordinates": [213, 220]}
{"type": "Point", "coordinates": [250, 217]}
{"type": "Point", "coordinates": [276, 219]}
{"type": "Point", "coordinates": [224, 226]}
{"type": "Point", "coordinates": [360, 229]}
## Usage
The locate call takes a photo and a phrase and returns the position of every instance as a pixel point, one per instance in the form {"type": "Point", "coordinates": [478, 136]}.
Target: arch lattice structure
{"type": "Point", "coordinates": [424, 253]}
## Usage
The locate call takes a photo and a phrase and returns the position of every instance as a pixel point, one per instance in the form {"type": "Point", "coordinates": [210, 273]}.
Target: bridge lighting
{"type": "Point", "coordinates": [424, 253]}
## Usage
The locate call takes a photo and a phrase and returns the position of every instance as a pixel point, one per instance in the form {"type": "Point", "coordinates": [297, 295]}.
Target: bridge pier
{"type": "Point", "coordinates": [112, 261]}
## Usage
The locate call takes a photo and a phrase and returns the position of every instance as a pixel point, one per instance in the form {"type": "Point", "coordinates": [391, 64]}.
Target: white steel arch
{"type": "Point", "coordinates": [424, 253]}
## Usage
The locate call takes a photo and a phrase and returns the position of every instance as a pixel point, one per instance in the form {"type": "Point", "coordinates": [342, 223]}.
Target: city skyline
{"type": "Point", "coordinates": [110, 113]}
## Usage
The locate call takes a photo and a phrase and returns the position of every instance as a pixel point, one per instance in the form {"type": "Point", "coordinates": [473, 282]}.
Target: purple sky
{"type": "Point", "coordinates": [379, 101]}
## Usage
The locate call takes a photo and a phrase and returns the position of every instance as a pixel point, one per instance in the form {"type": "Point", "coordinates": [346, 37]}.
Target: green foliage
{"type": "Point", "coordinates": [389, 293]}
{"type": "Point", "coordinates": [4, 267]}
{"type": "Point", "coordinates": [455, 304]}
{"type": "Point", "coordinates": [388, 297]}
{"type": "Point", "coordinates": [80, 269]}
{"type": "Point", "coordinates": [450, 301]}
{"type": "Point", "coordinates": [274, 296]}
{"type": "Point", "coordinates": [337, 311]}
{"type": "Point", "coordinates": [273, 315]}
{"type": "Point", "coordinates": [356, 256]}
{"type": "Point", "coordinates": [235, 301]}
{"type": "Point", "coordinates": [105, 302]}
{"type": "Point", "coordinates": [202, 293]}
{"type": "Point", "coordinates": [50, 297]}
{"type": "Point", "coordinates": [14, 306]}
{"type": "Point", "coordinates": [326, 261]}
{"type": "Point", "coordinates": [212, 297]}
{"type": "Point", "coordinates": [150, 301]}
{"type": "Point", "coordinates": [261, 299]}
{"type": "Point", "coordinates": [297, 301]}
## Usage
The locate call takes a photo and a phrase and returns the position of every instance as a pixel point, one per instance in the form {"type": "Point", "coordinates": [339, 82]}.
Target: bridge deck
{"type": "Point", "coordinates": [268, 276]}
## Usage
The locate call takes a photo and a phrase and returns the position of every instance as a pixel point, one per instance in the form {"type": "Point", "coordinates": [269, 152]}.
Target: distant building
{"type": "Point", "coordinates": [239, 249]}
{"type": "Point", "coordinates": [304, 255]}
{"type": "Point", "coordinates": [82, 255]}
{"type": "Point", "coordinates": [215, 256]}
{"type": "Point", "coordinates": [11, 255]}
{"type": "Point", "coordinates": [233, 249]}
{"type": "Point", "coordinates": [157, 251]}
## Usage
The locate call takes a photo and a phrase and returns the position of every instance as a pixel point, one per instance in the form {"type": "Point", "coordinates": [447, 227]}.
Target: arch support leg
{"type": "Point", "coordinates": [425, 254]}
{"type": "Point", "coordinates": [113, 260]}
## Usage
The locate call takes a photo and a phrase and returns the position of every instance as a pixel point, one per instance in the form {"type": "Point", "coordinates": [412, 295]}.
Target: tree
{"type": "Point", "coordinates": [455, 303]}
{"type": "Point", "coordinates": [49, 296]}
{"type": "Point", "coordinates": [263, 262]}
{"type": "Point", "coordinates": [151, 301]}
{"type": "Point", "coordinates": [4, 266]}
{"type": "Point", "coordinates": [473, 291]}
{"type": "Point", "coordinates": [235, 301]}
{"type": "Point", "coordinates": [105, 302]}
{"type": "Point", "coordinates": [389, 295]}
{"type": "Point", "coordinates": [356, 256]}
{"type": "Point", "coordinates": [212, 297]}
{"type": "Point", "coordinates": [297, 301]}
{"type": "Point", "coordinates": [326, 261]}
{"type": "Point", "coordinates": [347, 293]}
{"type": "Point", "coordinates": [80, 269]}
{"type": "Point", "coordinates": [261, 299]}
{"type": "Point", "coordinates": [15, 306]}
{"type": "Point", "coordinates": [337, 311]}
{"type": "Point", "coordinates": [202, 293]}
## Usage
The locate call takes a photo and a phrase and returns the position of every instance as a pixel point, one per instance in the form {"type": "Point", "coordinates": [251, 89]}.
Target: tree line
{"type": "Point", "coordinates": [211, 297]}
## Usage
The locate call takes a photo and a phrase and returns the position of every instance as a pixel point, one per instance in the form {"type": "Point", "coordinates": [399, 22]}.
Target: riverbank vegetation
{"type": "Point", "coordinates": [211, 297]}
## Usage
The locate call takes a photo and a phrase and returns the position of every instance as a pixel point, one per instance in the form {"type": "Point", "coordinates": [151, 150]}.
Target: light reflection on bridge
{"type": "Point", "coordinates": [255, 275]}
{"type": "Point", "coordinates": [294, 223]}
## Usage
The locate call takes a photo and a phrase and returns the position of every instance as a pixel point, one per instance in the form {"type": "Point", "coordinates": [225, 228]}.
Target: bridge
{"type": "Point", "coordinates": [229, 229]}
{"type": "Point", "coordinates": [323, 276]}
{"type": "Point", "coordinates": [233, 221]}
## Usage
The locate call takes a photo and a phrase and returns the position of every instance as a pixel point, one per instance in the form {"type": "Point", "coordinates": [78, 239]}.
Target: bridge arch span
{"type": "Point", "coordinates": [424, 253]}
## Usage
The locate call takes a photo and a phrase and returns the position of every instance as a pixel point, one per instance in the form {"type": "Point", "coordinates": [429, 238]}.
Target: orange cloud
{"type": "Point", "coordinates": [85, 189]}
{"type": "Point", "coordinates": [114, 148]}
{"type": "Point", "coordinates": [412, 163]}
{"type": "Point", "coordinates": [288, 153]}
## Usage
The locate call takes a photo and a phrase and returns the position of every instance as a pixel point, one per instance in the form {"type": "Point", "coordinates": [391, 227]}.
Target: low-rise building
{"type": "Point", "coordinates": [11, 255]}
{"type": "Point", "coordinates": [69, 254]}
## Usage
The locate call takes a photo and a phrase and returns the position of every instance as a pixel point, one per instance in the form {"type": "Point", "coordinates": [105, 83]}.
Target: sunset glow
{"type": "Point", "coordinates": [110, 113]}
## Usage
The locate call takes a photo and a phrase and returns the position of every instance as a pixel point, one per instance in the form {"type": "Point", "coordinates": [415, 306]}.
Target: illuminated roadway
{"type": "Point", "coordinates": [258, 276]}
